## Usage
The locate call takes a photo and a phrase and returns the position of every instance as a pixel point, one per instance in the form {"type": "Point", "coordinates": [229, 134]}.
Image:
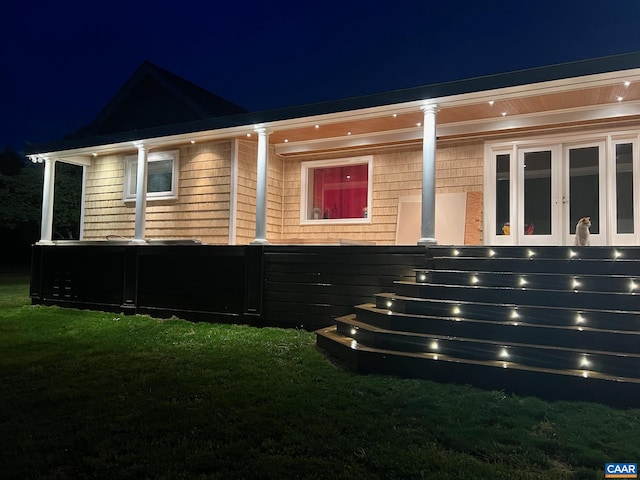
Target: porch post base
{"type": "Point", "coordinates": [260, 241]}
{"type": "Point", "coordinates": [427, 241]}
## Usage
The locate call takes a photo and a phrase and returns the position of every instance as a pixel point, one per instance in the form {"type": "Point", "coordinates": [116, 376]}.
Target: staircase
{"type": "Point", "coordinates": [552, 322]}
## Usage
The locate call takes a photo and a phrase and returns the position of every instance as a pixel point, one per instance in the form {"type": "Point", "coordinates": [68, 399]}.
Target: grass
{"type": "Point", "coordinates": [100, 395]}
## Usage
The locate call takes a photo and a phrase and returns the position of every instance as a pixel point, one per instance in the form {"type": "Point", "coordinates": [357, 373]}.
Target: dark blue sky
{"type": "Point", "coordinates": [63, 60]}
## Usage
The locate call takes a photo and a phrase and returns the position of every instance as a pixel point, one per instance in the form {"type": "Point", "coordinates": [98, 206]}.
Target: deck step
{"type": "Point", "coordinates": [541, 281]}
{"type": "Point", "coordinates": [556, 322]}
{"type": "Point", "coordinates": [505, 350]}
{"type": "Point", "coordinates": [553, 384]}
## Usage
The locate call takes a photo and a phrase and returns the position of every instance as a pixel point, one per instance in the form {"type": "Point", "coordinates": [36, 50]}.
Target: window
{"type": "Point", "coordinates": [162, 173]}
{"type": "Point", "coordinates": [336, 191]}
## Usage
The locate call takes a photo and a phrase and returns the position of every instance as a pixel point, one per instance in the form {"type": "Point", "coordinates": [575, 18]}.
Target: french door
{"type": "Point", "coordinates": [539, 192]}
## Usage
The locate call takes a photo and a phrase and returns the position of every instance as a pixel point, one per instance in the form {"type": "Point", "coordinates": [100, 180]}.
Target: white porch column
{"type": "Point", "coordinates": [141, 195]}
{"type": "Point", "coordinates": [428, 224]}
{"type": "Point", "coordinates": [46, 227]}
{"type": "Point", "coordinates": [261, 187]}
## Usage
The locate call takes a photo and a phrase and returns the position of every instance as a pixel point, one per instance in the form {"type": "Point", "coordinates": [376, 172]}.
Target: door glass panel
{"type": "Point", "coordinates": [624, 188]}
{"type": "Point", "coordinates": [537, 193]}
{"type": "Point", "coordinates": [503, 188]}
{"type": "Point", "coordinates": [584, 187]}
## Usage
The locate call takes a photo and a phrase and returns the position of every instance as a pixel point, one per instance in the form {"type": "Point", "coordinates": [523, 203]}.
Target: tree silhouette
{"type": "Point", "coordinates": [21, 205]}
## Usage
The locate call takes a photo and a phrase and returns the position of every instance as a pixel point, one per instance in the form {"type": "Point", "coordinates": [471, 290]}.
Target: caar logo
{"type": "Point", "coordinates": [621, 470]}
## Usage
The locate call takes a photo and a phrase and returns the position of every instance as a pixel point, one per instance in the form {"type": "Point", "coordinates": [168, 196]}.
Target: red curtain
{"type": "Point", "coordinates": [341, 192]}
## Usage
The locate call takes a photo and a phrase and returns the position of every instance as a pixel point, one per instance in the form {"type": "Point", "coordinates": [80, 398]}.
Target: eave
{"type": "Point", "coordinates": [572, 93]}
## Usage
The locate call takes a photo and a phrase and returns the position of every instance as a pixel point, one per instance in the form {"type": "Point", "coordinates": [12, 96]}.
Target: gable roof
{"type": "Point", "coordinates": [153, 97]}
{"type": "Point", "coordinates": [467, 87]}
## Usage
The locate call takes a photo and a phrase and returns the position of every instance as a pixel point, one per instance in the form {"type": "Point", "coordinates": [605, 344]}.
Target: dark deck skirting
{"type": "Point", "coordinates": [265, 285]}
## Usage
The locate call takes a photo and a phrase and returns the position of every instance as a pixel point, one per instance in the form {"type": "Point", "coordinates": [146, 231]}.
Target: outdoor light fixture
{"type": "Point", "coordinates": [575, 284]}
{"type": "Point", "coordinates": [491, 253]}
{"type": "Point", "coordinates": [504, 114]}
{"type": "Point", "coordinates": [530, 253]}
{"type": "Point", "coordinates": [572, 254]}
{"type": "Point", "coordinates": [579, 318]}
{"type": "Point", "coordinates": [354, 331]}
{"type": "Point", "coordinates": [423, 277]}
{"type": "Point", "coordinates": [504, 353]}
{"type": "Point", "coordinates": [523, 281]}
{"type": "Point", "coordinates": [286, 140]}
{"type": "Point", "coordinates": [619, 99]}
{"type": "Point", "coordinates": [617, 254]}
{"type": "Point", "coordinates": [632, 285]}
{"type": "Point", "coordinates": [627, 83]}
{"type": "Point", "coordinates": [514, 313]}
{"type": "Point", "coordinates": [389, 303]}
{"type": "Point", "coordinates": [456, 310]}
{"type": "Point", "coordinates": [317, 126]}
{"type": "Point", "coordinates": [474, 279]}
{"type": "Point", "coordinates": [455, 253]}
{"type": "Point", "coordinates": [434, 345]}
{"type": "Point", "coordinates": [584, 362]}
{"type": "Point", "coordinates": [491, 102]}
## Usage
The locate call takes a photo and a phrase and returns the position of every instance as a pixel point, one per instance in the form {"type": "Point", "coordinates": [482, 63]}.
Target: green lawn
{"type": "Point", "coordinates": [100, 395]}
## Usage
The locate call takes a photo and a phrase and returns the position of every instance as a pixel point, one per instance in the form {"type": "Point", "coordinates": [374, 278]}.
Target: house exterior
{"type": "Point", "coordinates": [329, 214]}
{"type": "Point", "coordinates": [508, 159]}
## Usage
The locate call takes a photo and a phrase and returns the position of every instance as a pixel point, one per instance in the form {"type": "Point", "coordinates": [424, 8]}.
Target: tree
{"type": "Point", "coordinates": [21, 205]}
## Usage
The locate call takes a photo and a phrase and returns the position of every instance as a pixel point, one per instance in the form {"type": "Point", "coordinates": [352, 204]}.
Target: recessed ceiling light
{"type": "Point", "coordinates": [317, 126]}
{"type": "Point", "coordinates": [491, 102]}
{"type": "Point", "coordinates": [286, 140]}
{"type": "Point", "coordinates": [248, 134]}
{"type": "Point", "coordinates": [627, 83]}
{"type": "Point", "coordinates": [348, 133]}
{"type": "Point", "coordinates": [619, 99]}
{"type": "Point", "coordinates": [504, 114]}
{"type": "Point", "coordinates": [193, 141]}
{"type": "Point", "coordinates": [395, 115]}
{"type": "Point", "coordinates": [419, 124]}
{"type": "Point", "coordinates": [94, 154]}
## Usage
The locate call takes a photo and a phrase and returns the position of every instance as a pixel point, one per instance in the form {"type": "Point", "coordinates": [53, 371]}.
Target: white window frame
{"type": "Point", "coordinates": [130, 164]}
{"type": "Point", "coordinates": [339, 162]}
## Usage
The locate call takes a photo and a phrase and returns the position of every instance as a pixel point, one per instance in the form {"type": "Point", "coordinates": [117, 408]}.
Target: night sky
{"type": "Point", "coordinates": [62, 61]}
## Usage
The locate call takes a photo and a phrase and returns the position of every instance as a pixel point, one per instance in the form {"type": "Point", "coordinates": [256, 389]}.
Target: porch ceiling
{"type": "Point", "coordinates": [476, 112]}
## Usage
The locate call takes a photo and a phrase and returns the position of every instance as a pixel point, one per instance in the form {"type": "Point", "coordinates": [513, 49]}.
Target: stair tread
{"type": "Point", "coordinates": [372, 307]}
{"type": "Point", "coordinates": [352, 319]}
{"type": "Point", "coordinates": [331, 333]}
{"type": "Point", "coordinates": [509, 288]}
{"type": "Point", "coordinates": [519, 305]}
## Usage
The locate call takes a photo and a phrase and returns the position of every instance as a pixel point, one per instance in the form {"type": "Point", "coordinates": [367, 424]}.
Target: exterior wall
{"type": "Point", "coordinates": [201, 210]}
{"type": "Point", "coordinates": [246, 204]}
{"type": "Point", "coordinates": [397, 172]}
